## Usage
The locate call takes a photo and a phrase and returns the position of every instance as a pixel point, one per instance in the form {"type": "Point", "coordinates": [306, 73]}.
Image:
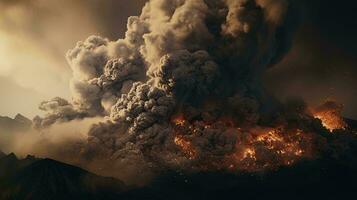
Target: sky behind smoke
{"type": "Point", "coordinates": [35, 35]}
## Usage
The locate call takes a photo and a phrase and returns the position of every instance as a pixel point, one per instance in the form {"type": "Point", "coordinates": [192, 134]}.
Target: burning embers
{"type": "Point", "coordinates": [187, 148]}
{"type": "Point", "coordinates": [330, 115]}
{"type": "Point", "coordinates": [270, 148]}
{"type": "Point", "coordinates": [223, 146]}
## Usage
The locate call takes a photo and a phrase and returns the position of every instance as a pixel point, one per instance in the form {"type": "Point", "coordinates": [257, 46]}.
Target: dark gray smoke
{"type": "Point", "coordinates": [175, 90]}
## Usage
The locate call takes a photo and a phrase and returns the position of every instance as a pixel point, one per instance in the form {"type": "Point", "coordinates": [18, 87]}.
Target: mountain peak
{"type": "Point", "coordinates": [50, 179]}
{"type": "Point", "coordinates": [22, 119]}
{"type": "Point", "coordinates": [19, 123]}
{"type": "Point", "coordinates": [11, 156]}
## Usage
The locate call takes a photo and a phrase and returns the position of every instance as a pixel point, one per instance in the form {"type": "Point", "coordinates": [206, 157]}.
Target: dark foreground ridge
{"type": "Point", "coordinates": [44, 179]}
{"type": "Point", "coordinates": [33, 179]}
{"type": "Point", "coordinates": [323, 179]}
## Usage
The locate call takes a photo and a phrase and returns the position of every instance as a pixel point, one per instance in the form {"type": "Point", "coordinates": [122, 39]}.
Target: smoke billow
{"type": "Point", "coordinates": [183, 90]}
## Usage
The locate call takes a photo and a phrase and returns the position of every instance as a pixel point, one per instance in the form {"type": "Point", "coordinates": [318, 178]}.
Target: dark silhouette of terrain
{"type": "Point", "coordinates": [46, 179]}
{"type": "Point", "coordinates": [328, 177]}
{"type": "Point", "coordinates": [2, 154]}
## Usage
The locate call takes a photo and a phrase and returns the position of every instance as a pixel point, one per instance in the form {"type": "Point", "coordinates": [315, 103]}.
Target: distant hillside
{"type": "Point", "coordinates": [19, 123]}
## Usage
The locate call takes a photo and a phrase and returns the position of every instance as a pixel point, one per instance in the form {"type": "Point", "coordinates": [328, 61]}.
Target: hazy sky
{"type": "Point", "coordinates": [35, 34]}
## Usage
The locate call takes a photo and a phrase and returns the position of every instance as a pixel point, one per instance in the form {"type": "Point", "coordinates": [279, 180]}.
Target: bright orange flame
{"type": "Point", "coordinates": [255, 148]}
{"type": "Point", "coordinates": [330, 115]}
{"type": "Point", "coordinates": [269, 149]}
{"type": "Point", "coordinates": [249, 153]}
{"type": "Point", "coordinates": [179, 120]}
{"type": "Point", "coordinates": [186, 147]}
{"type": "Point", "coordinates": [331, 120]}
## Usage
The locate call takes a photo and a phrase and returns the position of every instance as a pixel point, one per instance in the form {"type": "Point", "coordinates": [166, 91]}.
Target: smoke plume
{"type": "Point", "coordinates": [183, 90]}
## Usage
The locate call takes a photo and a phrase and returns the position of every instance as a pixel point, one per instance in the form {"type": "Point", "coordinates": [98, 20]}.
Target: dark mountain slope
{"type": "Point", "coordinates": [323, 179]}
{"type": "Point", "coordinates": [10, 164]}
{"type": "Point", "coordinates": [48, 179]}
{"type": "Point", "coordinates": [328, 177]}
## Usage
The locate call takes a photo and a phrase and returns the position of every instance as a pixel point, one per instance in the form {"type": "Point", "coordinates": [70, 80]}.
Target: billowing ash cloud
{"type": "Point", "coordinates": [102, 71]}
{"type": "Point", "coordinates": [183, 89]}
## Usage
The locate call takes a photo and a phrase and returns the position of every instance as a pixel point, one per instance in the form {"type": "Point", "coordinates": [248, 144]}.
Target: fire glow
{"type": "Point", "coordinates": [186, 147]}
{"type": "Point", "coordinates": [331, 121]}
{"type": "Point", "coordinates": [330, 115]}
{"type": "Point", "coordinates": [254, 149]}
{"type": "Point", "coordinates": [269, 149]}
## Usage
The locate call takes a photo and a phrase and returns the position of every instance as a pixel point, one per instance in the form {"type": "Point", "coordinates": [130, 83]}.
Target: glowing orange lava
{"type": "Point", "coordinates": [270, 148]}
{"type": "Point", "coordinates": [330, 115]}
{"type": "Point", "coordinates": [186, 147]}
{"type": "Point", "coordinates": [255, 148]}
{"type": "Point", "coordinates": [178, 120]}
{"type": "Point", "coordinates": [331, 121]}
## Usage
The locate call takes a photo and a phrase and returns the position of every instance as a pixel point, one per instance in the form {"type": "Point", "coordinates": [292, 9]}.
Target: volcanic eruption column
{"type": "Point", "coordinates": [183, 89]}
